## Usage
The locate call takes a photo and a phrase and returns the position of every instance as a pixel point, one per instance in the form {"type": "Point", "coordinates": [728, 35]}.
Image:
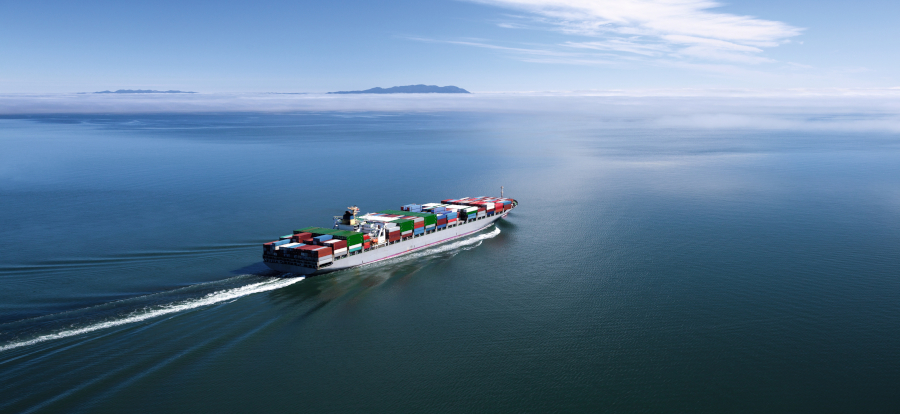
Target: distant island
{"type": "Point", "coordinates": [411, 89]}
{"type": "Point", "coordinates": [142, 91]}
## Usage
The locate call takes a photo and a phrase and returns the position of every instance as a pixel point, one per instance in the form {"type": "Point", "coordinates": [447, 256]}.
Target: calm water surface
{"type": "Point", "coordinates": [646, 269]}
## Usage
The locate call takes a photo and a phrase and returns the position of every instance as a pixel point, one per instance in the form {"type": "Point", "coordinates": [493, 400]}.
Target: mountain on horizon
{"type": "Point", "coordinates": [410, 89]}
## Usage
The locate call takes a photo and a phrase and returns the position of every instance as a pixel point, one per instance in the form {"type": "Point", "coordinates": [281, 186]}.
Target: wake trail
{"type": "Point", "coordinates": [460, 244]}
{"type": "Point", "coordinates": [163, 309]}
{"type": "Point", "coordinates": [229, 295]}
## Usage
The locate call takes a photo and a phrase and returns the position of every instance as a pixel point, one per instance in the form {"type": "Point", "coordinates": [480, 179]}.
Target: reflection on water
{"type": "Point", "coordinates": [645, 269]}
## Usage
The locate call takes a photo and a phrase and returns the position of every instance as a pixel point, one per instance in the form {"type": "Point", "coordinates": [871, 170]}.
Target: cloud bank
{"type": "Point", "coordinates": [820, 110]}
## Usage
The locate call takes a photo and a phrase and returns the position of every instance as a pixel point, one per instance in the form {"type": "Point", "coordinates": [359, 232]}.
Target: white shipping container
{"type": "Point", "coordinates": [355, 246]}
{"type": "Point", "coordinates": [326, 259]}
{"type": "Point", "coordinates": [490, 206]}
{"type": "Point", "coordinates": [340, 252]}
{"type": "Point", "coordinates": [287, 246]}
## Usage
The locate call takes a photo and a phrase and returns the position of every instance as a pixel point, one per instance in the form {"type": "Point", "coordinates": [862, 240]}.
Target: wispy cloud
{"type": "Point", "coordinates": [688, 30]}
{"type": "Point", "coordinates": [535, 54]}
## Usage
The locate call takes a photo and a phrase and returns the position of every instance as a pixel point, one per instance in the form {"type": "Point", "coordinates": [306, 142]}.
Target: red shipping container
{"type": "Point", "coordinates": [336, 244]}
{"type": "Point", "coordinates": [367, 245]}
{"type": "Point", "coordinates": [366, 237]}
{"type": "Point", "coordinates": [315, 251]}
{"type": "Point", "coordinates": [300, 236]}
{"type": "Point", "coordinates": [442, 221]}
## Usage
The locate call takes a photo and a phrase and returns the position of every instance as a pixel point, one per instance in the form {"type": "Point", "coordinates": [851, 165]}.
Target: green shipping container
{"type": "Point", "coordinates": [429, 218]}
{"type": "Point", "coordinates": [351, 237]}
{"type": "Point", "coordinates": [404, 224]}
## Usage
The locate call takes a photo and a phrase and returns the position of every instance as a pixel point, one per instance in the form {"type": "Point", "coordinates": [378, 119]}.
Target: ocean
{"type": "Point", "coordinates": [661, 268]}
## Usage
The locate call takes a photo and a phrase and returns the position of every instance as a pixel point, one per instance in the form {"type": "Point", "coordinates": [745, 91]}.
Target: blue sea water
{"type": "Point", "coordinates": [647, 269]}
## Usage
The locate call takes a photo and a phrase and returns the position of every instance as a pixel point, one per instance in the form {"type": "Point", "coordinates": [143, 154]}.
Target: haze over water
{"type": "Point", "coordinates": [677, 266]}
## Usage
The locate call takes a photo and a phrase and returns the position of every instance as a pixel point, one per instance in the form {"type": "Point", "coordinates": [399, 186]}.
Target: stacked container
{"type": "Point", "coordinates": [271, 247]}
{"type": "Point", "coordinates": [451, 217]}
{"type": "Point", "coordinates": [338, 247]}
{"type": "Point", "coordinates": [393, 234]}
{"type": "Point", "coordinates": [322, 238]}
{"type": "Point", "coordinates": [301, 237]}
{"type": "Point", "coordinates": [284, 248]}
{"type": "Point", "coordinates": [318, 254]}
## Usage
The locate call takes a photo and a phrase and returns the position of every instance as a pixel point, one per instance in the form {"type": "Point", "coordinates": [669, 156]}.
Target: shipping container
{"type": "Point", "coordinates": [351, 237]}
{"type": "Point", "coordinates": [300, 236]}
{"type": "Point", "coordinates": [315, 251]}
{"type": "Point", "coordinates": [335, 244]}
{"type": "Point", "coordinates": [404, 224]}
{"type": "Point", "coordinates": [429, 217]}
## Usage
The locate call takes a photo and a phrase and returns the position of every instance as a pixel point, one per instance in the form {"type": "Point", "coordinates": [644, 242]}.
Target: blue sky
{"type": "Point", "coordinates": [487, 45]}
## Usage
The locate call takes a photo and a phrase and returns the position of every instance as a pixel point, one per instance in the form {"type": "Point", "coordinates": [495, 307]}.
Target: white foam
{"type": "Point", "coordinates": [456, 245]}
{"type": "Point", "coordinates": [144, 314]}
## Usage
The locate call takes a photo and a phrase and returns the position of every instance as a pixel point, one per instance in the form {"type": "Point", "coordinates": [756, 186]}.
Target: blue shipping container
{"type": "Point", "coordinates": [323, 238]}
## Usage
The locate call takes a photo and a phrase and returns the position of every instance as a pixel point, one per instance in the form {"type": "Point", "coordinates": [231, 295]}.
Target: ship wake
{"type": "Point", "coordinates": [149, 306]}
{"type": "Point", "coordinates": [456, 246]}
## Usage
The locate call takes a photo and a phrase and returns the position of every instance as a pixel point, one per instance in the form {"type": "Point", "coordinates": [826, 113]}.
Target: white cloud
{"type": "Point", "coordinates": [679, 29]}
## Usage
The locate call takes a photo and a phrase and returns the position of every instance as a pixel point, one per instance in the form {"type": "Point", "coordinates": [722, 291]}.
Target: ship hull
{"type": "Point", "coordinates": [295, 266]}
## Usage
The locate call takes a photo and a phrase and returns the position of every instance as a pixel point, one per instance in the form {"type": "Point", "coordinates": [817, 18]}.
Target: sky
{"type": "Point", "coordinates": [482, 46]}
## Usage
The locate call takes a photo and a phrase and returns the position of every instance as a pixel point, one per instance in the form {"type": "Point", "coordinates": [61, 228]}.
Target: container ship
{"type": "Point", "coordinates": [357, 240]}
